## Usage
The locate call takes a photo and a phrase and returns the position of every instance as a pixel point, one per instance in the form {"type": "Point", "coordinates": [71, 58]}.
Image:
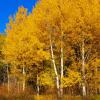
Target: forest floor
{"type": "Point", "coordinates": [47, 97]}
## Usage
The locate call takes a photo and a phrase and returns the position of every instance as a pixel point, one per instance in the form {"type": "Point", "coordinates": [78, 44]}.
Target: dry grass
{"type": "Point", "coordinates": [29, 95]}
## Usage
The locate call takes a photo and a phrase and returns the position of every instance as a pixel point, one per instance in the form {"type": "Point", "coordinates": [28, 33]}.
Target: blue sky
{"type": "Point", "coordinates": [10, 7]}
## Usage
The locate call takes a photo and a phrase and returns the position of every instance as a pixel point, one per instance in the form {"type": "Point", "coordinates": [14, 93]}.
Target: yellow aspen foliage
{"type": "Point", "coordinates": [22, 47]}
{"type": "Point", "coordinates": [46, 78]}
{"type": "Point", "coordinates": [73, 17]}
{"type": "Point", "coordinates": [73, 77]}
{"type": "Point", "coordinates": [68, 30]}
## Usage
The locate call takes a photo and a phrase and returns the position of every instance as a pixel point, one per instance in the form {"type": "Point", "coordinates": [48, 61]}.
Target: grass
{"type": "Point", "coordinates": [46, 97]}
{"type": "Point", "coordinates": [65, 97]}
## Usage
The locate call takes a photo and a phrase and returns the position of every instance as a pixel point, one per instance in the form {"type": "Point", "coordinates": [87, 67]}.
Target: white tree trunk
{"type": "Point", "coordinates": [38, 88]}
{"type": "Point", "coordinates": [61, 88]}
{"type": "Point", "coordinates": [18, 86]}
{"type": "Point", "coordinates": [4, 78]}
{"type": "Point", "coordinates": [23, 79]}
{"type": "Point", "coordinates": [83, 69]}
{"type": "Point", "coordinates": [55, 69]}
{"type": "Point", "coordinates": [8, 81]}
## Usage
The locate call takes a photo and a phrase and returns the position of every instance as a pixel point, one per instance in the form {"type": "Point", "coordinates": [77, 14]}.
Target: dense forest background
{"type": "Point", "coordinates": [55, 49]}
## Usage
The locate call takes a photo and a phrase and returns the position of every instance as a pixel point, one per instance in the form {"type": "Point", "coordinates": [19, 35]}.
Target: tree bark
{"type": "Point", "coordinates": [8, 81]}
{"type": "Point", "coordinates": [61, 88]}
{"type": "Point", "coordinates": [18, 86]}
{"type": "Point", "coordinates": [23, 79]}
{"type": "Point", "coordinates": [54, 65]}
{"type": "Point", "coordinates": [38, 88]}
{"type": "Point", "coordinates": [83, 69]}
